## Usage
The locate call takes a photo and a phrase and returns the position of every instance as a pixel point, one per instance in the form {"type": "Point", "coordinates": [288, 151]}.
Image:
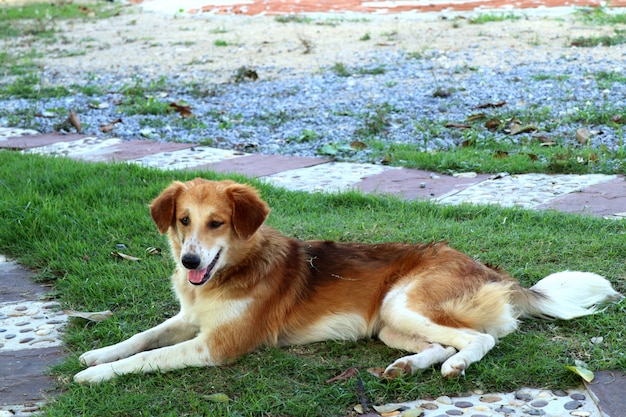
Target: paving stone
{"type": "Point", "coordinates": [256, 165]}
{"type": "Point", "coordinates": [189, 158]}
{"type": "Point", "coordinates": [330, 177]}
{"type": "Point", "coordinates": [416, 184]}
{"type": "Point", "coordinates": [88, 149]}
{"type": "Point", "coordinates": [510, 404]}
{"type": "Point", "coordinates": [602, 199]}
{"type": "Point", "coordinates": [133, 149]}
{"type": "Point", "coordinates": [526, 190]}
{"type": "Point", "coordinates": [23, 374]}
{"type": "Point", "coordinates": [609, 390]}
{"type": "Point", "coordinates": [35, 141]}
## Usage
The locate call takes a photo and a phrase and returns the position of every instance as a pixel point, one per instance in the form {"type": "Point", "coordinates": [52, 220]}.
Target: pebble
{"type": "Point", "coordinates": [573, 405]}
{"type": "Point", "coordinates": [444, 400]}
{"type": "Point", "coordinates": [490, 399]}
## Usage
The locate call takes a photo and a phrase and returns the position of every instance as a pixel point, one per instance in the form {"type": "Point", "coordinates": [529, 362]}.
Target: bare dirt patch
{"type": "Point", "coordinates": [151, 43]}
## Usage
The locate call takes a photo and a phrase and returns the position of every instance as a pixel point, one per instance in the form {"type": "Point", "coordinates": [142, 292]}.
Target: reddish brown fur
{"type": "Point", "coordinates": [242, 285]}
{"type": "Point", "coordinates": [293, 282]}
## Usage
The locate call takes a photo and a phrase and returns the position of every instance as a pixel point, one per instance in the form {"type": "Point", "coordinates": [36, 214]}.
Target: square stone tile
{"type": "Point", "coordinates": [416, 184]}
{"type": "Point", "coordinates": [602, 199]}
{"type": "Point", "coordinates": [330, 177]}
{"type": "Point", "coordinates": [261, 165]}
{"type": "Point", "coordinates": [34, 141]}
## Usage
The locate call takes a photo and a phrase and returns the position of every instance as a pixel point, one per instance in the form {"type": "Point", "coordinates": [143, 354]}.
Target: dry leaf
{"type": "Point", "coordinates": [533, 157]}
{"type": "Point", "coordinates": [488, 105]}
{"type": "Point", "coordinates": [109, 127]}
{"type": "Point", "coordinates": [500, 154]}
{"type": "Point", "coordinates": [387, 408]}
{"type": "Point", "coordinates": [477, 116]}
{"type": "Point", "coordinates": [458, 125]}
{"type": "Point", "coordinates": [153, 251]}
{"type": "Point", "coordinates": [358, 145]}
{"type": "Point", "coordinates": [386, 160]}
{"type": "Point", "coordinates": [517, 128]}
{"type": "Point", "coordinates": [493, 124]}
{"type": "Point", "coordinates": [582, 135]}
{"type": "Point", "coordinates": [91, 316]}
{"type": "Point", "coordinates": [344, 376]}
{"type": "Point", "coordinates": [124, 256]}
{"type": "Point", "coordinates": [74, 121]}
{"type": "Point", "coordinates": [183, 111]}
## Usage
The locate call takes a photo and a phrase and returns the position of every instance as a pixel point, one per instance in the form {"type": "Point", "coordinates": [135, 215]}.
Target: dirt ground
{"type": "Point", "coordinates": [152, 43]}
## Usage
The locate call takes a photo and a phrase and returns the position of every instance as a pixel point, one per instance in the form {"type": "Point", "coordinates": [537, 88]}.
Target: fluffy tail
{"type": "Point", "coordinates": [565, 295]}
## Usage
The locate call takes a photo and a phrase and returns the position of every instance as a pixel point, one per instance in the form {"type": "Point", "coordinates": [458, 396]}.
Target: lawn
{"type": "Point", "coordinates": [64, 218]}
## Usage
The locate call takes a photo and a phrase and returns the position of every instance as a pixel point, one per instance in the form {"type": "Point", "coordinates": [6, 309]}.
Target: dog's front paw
{"type": "Point", "coordinates": [99, 356]}
{"type": "Point", "coordinates": [95, 374]}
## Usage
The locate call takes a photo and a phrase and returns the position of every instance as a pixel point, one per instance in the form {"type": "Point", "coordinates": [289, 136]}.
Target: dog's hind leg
{"type": "Point", "coordinates": [427, 354]}
{"type": "Point", "coordinates": [472, 345]}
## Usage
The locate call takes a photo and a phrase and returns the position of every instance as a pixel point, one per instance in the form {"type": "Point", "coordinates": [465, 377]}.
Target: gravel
{"type": "Point", "coordinates": [408, 101]}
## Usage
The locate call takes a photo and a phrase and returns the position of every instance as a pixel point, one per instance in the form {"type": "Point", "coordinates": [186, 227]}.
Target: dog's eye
{"type": "Point", "coordinates": [184, 221]}
{"type": "Point", "coordinates": [214, 224]}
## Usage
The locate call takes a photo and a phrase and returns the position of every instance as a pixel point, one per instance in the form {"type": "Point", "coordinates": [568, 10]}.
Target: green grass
{"type": "Point", "coordinates": [26, 29]}
{"type": "Point", "coordinates": [483, 18]}
{"type": "Point", "coordinates": [600, 16]}
{"type": "Point", "coordinates": [63, 218]}
{"type": "Point", "coordinates": [342, 70]}
{"type": "Point", "coordinates": [601, 40]}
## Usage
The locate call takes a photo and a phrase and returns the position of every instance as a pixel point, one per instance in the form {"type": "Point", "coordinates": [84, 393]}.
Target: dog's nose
{"type": "Point", "coordinates": [190, 261]}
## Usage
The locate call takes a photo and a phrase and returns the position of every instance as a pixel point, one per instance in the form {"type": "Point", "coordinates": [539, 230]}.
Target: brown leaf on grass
{"type": "Point", "coordinates": [358, 145]}
{"type": "Point", "coordinates": [121, 255]}
{"type": "Point", "coordinates": [183, 111]}
{"type": "Point", "coordinates": [386, 160]}
{"type": "Point", "coordinates": [468, 142]}
{"type": "Point", "coordinates": [533, 157]}
{"type": "Point", "coordinates": [474, 117]}
{"type": "Point", "coordinates": [582, 135]}
{"type": "Point", "coordinates": [518, 128]}
{"type": "Point", "coordinates": [545, 140]}
{"type": "Point", "coordinates": [344, 376]}
{"type": "Point", "coordinates": [91, 315]}
{"type": "Point", "coordinates": [499, 154]}
{"type": "Point", "coordinates": [618, 118]}
{"type": "Point", "coordinates": [74, 121]}
{"type": "Point", "coordinates": [457, 125]}
{"type": "Point", "coordinates": [493, 124]}
{"type": "Point", "coordinates": [489, 105]}
{"type": "Point", "coordinates": [109, 126]}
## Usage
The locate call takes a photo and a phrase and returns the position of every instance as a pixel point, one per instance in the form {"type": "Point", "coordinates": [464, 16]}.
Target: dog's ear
{"type": "Point", "coordinates": [249, 211]}
{"type": "Point", "coordinates": [163, 208]}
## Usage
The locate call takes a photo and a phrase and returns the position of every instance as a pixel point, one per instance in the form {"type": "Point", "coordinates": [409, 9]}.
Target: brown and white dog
{"type": "Point", "coordinates": [242, 285]}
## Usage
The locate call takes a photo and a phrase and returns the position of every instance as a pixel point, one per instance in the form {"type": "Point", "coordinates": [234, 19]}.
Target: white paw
{"type": "Point", "coordinates": [453, 367]}
{"type": "Point", "coordinates": [95, 374]}
{"type": "Point", "coordinates": [98, 356]}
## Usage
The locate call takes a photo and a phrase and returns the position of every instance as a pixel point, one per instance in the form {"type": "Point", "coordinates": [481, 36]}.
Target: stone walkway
{"type": "Point", "coordinates": [30, 325]}
{"type": "Point", "coordinates": [593, 194]}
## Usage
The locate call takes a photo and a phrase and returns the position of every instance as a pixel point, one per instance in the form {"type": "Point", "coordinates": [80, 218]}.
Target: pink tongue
{"type": "Point", "coordinates": [195, 275]}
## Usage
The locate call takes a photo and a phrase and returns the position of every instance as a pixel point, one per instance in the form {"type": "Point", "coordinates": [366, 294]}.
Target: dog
{"type": "Point", "coordinates": [242, 285]}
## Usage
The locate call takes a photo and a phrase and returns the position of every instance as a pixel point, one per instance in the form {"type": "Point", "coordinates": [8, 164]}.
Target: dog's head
{"type": "Point", "coordinates": [206, 221]}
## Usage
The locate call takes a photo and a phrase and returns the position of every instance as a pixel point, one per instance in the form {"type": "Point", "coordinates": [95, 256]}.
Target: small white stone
{"type": "Point", "coordinates": [444, 399]}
